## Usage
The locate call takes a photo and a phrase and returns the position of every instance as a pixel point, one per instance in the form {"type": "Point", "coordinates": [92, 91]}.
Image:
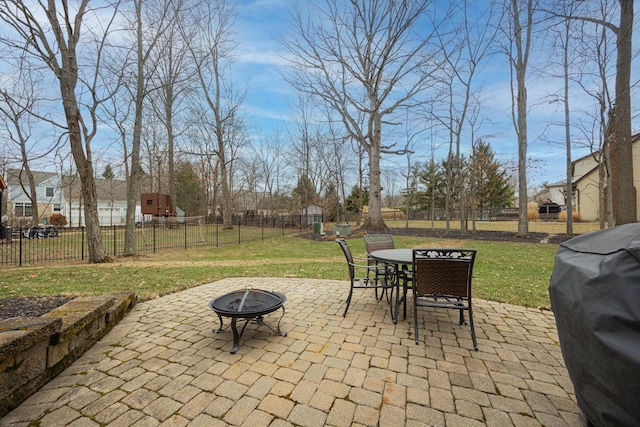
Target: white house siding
{"type": "Point", "coordinates": [112, 205]}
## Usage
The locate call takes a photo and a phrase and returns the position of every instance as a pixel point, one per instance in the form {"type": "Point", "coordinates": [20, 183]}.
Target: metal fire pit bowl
{"type": "Point", "coordinates": [250, 305]}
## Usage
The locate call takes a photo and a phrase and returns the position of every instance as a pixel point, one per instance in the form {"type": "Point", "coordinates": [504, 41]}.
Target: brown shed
{"type": "Point", "coordinates": [156, 204]}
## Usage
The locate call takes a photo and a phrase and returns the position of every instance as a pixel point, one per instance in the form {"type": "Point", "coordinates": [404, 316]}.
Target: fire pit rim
{"type": "Point", "coordinates": [278, 300]}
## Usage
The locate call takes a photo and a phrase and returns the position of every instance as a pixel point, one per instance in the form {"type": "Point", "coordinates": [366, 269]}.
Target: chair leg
{"type": "Point", "coordinates": [473, 331]}
{"type": "Point", "coordinates": [415, 318]}
{"type": "Point", "coordinates": [405, 289]}
{"type": "Point", "coordinates": [348, 301]}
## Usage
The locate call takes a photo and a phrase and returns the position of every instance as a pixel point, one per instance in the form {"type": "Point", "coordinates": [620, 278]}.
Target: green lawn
{"type": "Point", "coordinates": [516, 273]}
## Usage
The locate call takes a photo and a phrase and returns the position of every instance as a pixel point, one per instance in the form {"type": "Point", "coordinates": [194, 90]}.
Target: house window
{"type": "Point", "coordinates": [22, 209]}
{"type": "Point", "coordinates": [49, 192]}
{"type": "Point", "coordinates": [56, 207]}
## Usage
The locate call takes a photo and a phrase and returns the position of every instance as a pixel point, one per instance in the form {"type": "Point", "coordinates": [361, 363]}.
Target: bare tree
{"type": "Point", "coordinates": [15, 115]}
{"type": "Point", "coordinates": [625, 203]}
{"type": "Point", "coordinates": [336, 162]}
{"type": "Point", "coordinates": [173, 77]}
{"type": "Point", "coordinates": [55, 44]}
{"type": "Point", "coordinates": [136, 68]}
{"type": "Point", "coordinates": [474, 38]}
{"type": "Point", "coordinates": [562, 38]}
{"type": "Point", "coordinates": [211, 52]}
{"type": "Point", "coordinates": [364, 60]}
{"type": "Point", "coordinates": [520, 27]}
{"type": "Point", "coordinates": [270, 153]}
{"type": "Point", "coordinates": [624, 196]}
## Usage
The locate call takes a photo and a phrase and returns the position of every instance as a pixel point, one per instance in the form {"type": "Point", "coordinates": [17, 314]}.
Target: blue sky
{"type": "Point", "coordinates": [269, 101]}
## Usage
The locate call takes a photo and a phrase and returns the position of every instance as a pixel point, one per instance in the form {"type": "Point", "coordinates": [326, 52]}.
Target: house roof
{"type": "Point", "coordinates": [106, 189]}
{"type": "Point", "coordinates": [15, 176]}
{"type": "Point", "coordinates": [635, 138]}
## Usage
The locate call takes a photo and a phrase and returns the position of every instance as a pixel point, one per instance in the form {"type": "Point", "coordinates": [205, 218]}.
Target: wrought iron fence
{"type": "Point", "coordinates": [39, 245]}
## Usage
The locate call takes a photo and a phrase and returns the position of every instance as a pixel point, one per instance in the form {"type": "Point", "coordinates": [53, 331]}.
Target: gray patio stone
{"type": "Point", "coordinates": [163, 366]}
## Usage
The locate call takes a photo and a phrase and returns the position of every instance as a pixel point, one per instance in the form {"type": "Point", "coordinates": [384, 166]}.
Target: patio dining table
{"type": "Point", "coordinates": [401, 259]}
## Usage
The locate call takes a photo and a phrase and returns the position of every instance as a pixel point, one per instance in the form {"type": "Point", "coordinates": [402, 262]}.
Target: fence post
{"type": "Point", "coordinates": [20, 255]}
{"type": "Point", "coordinates": [114, 239]}
{"type": "Point", "coordinates": [185, 234]}
{"type": "Point", "coordinates": [239, 238]}
{"type": "Point", "coordinates": [262, 224]}
{"type": "Point", "coordinates": [82, 244]}
{"type": "Point", "coordinates": [154, 236]}
{"type": "Point", "coordinates": [217, 233]}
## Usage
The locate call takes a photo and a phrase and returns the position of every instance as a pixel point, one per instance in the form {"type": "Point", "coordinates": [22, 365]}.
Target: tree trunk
{"type": "Point", "coordinates": [601, 187]}
{"type": "Point", "coordinates": [170, 140]}
{"type": "Point", "coordinates": [523, 214]}
{"type": "Point", "coordinates": [610, 189]}
{"type": "Point", "coordinates": [521, 60]}
{"type": "Point", "coordinates": [33, 194]}
{"type": "Point", "coordinates": [133, 181]}
{"type": "Point", "coordinates": [374, 222]}
{"type": "Point", "coordinates": [625, 199]}
{"type": "Point", "coordinates": [567, 133]}
{"type": "Point", "coordinates": [85, 171]}
{"type": "Point", "coordinates": [68, 77]}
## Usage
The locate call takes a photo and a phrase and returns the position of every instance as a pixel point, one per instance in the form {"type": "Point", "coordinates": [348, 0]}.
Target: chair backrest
{"type": "Point", "coordinates": [347, 253]}
{"type": "Point", "coordinates": [445, 272]}
{"type": "Point", "coordinates": [376, 242]}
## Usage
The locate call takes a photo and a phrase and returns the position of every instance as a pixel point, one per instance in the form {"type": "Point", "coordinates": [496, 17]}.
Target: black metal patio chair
{"type": "Point", "coordinates": [366, 282]}
{"type": "Point", "coordinates": [442, 279]}
{"type": "Point", "coordinates": [376, 242]}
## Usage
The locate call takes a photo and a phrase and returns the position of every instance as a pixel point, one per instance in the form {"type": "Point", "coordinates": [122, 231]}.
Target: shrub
{"type": "Point", "coordinates": [532, 212]}
{"type": "Point", "coordinates": [58, 220]}
{"type": "Point", "coordinates": [563, 216]}
{"type": "Point", "coordinates": [392, 215]}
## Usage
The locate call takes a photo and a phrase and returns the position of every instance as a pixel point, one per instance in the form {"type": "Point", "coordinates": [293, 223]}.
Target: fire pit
{"type": "Point", "coordinates": [250, 305]}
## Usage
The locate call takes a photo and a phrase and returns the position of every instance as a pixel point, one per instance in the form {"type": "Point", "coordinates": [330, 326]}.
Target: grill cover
{"type": "Point", "coordinates": [595, 296]}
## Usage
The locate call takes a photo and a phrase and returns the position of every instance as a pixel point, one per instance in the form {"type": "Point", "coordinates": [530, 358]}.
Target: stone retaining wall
{"type": "Point", "coordinates": [33, 350]}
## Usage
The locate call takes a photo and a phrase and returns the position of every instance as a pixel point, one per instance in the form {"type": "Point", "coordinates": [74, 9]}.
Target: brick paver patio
{"type": "Point", "coordinates": [163, 366]}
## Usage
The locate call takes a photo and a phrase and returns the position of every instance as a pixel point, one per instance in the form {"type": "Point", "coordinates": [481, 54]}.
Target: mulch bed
{"type": "Point", "coordinates": [30, 306]}
{"type": "Point", "coordinates": [496, 236]}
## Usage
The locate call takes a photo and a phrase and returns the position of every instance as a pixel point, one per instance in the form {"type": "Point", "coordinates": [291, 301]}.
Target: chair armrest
{"type": "Point", "coordinates": [365, 266]}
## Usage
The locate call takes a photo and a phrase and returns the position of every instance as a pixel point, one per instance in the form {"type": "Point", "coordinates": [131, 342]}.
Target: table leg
{"type": "Point", "coordinates": [395, 287]}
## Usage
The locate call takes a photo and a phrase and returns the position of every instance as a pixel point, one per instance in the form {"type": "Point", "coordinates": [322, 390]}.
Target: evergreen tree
{"type": "Point", "coordinates": [493, 189]}
{"type": "Point", "coordinates": [304, 193]}
{"type": "Point", "coordinates": [351, 204]}
{"type": "Point", "coordinates": [432, 177]}
{"type": "Point", "coordinates": [331, 203]}
{"type": "Point", "coordinates": [108, 172]}
{"type": "Point", "coordinates": [190, 193]}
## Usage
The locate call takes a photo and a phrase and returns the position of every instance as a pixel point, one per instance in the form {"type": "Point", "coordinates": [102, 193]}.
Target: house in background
{"type": "Point", "coordinates": [585, 179]}
{"type": "Point", "coordinates": [48, 197]}
{"type": "Point", "coordinates": [586, 187]}
{"type": "Point", "coordinates": [56, 194]}
{"type": "Point", "coordinates": [553, 193]}
{"type": "Point", "coordinates": [112, 201]}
